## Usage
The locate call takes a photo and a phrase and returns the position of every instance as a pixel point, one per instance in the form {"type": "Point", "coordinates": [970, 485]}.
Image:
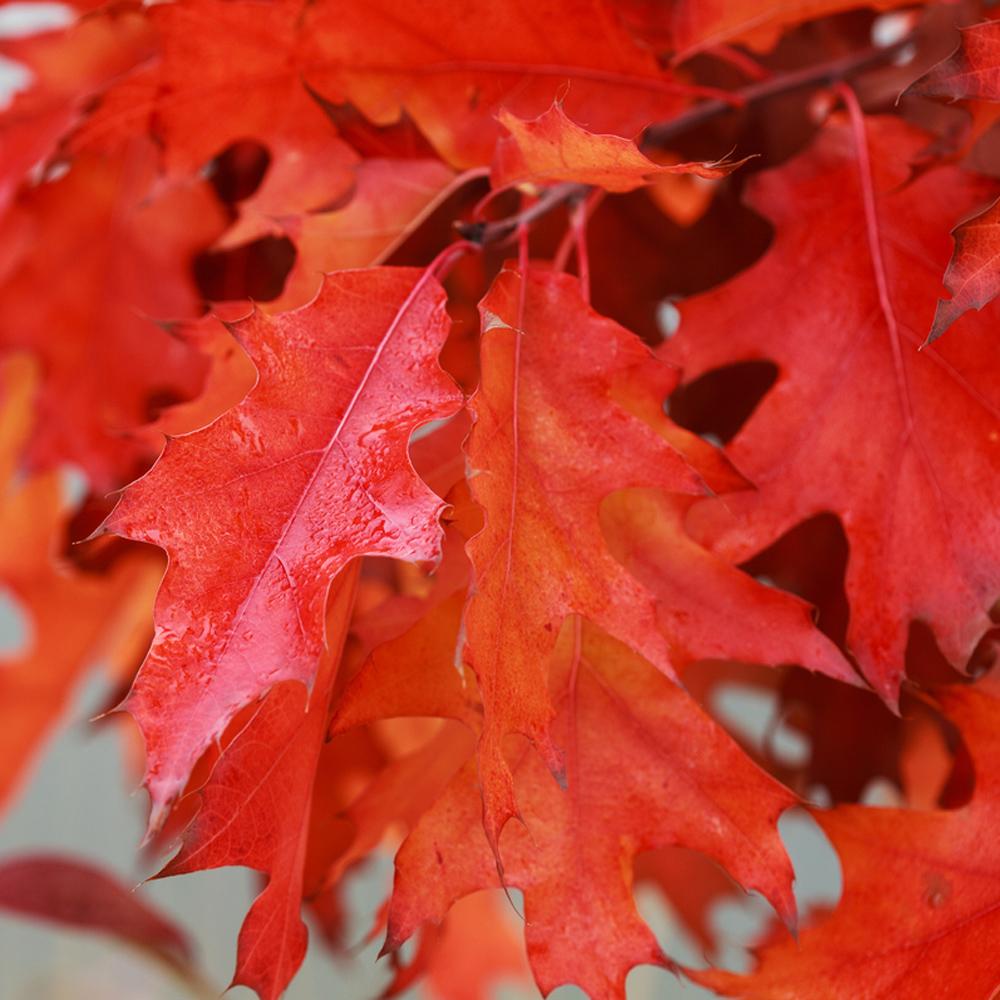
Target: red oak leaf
{"type": "Point", "coordinates": [972, 71]}
{"type": "Point", "coordinates": [645, 768]}
{"type": "Point", "coordinates": [256, 811]}
{"type": "Point", "coordinates": [68, 67]}
{"type": "Point", "coordinates": [554, 148]}
{"type": "Point", "coordinates": [900, 444]}
{"type": "Point", "coordinates": [555, 433]}
{"type": "Point", "coordinates": [973, 275]}
{"type": "Point", "coordinates": [413, 675]}
{"type": "Point", "coordinates": [925, 883]}
{"type": "Point", "coordinates": [261, 509]}
{"type": "Point", "coordinates": [389, 200]}
{"type": "Point", "coordinates": [124, 260]}
{"type": "Point", "coordinates": [230, 71]}
{"type": "Point", "coordinates": [404, 677]}
{"type": "Point", "coordinates": [484, 56]}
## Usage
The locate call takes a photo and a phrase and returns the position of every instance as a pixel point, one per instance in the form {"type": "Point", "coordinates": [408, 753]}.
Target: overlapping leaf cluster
{"type": "Point", "coordinates": [530, 375]}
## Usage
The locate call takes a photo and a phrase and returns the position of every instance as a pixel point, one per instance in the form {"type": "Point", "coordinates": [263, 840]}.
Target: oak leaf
{"type": "Point", "coordinates": [685, 783]}
{"type": "Point", "coordinates": [226, 72]}
{"type": "Point", "coordinates": [388, 201]}
{"type": "Point", "coordinates": [68, 66]}
{"type": "Point", "coordinates": [552, 147]}
{"type": "Point", "coordinates": [973, 275]}
{"type": "Point", "coordinates": [256, 810]}
{"type": "Point", "coordinates": [971, 73]}
{"type": "Point", "coordinates": [568, 412]}
{"type": "Point", "coordinates": [926, 880]}
{"type": "Point", "coordinates": [900, 444]}
{"type": "Point", "coordinates": [453, 80]}
{"type": "Point", "coordinates": [243, 506]}
{"type": "Point", "coordinates": [124, 258]}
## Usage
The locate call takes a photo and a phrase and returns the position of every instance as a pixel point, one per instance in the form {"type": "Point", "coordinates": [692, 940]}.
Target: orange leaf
{"type": "Point", "coordinates": [553, 148]}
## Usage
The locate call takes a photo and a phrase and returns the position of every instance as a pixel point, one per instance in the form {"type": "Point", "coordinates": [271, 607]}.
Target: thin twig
{"type": "Point", "coordinates": [824, 74]}
{"type": "Point", "coordinates": [485, 233]}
